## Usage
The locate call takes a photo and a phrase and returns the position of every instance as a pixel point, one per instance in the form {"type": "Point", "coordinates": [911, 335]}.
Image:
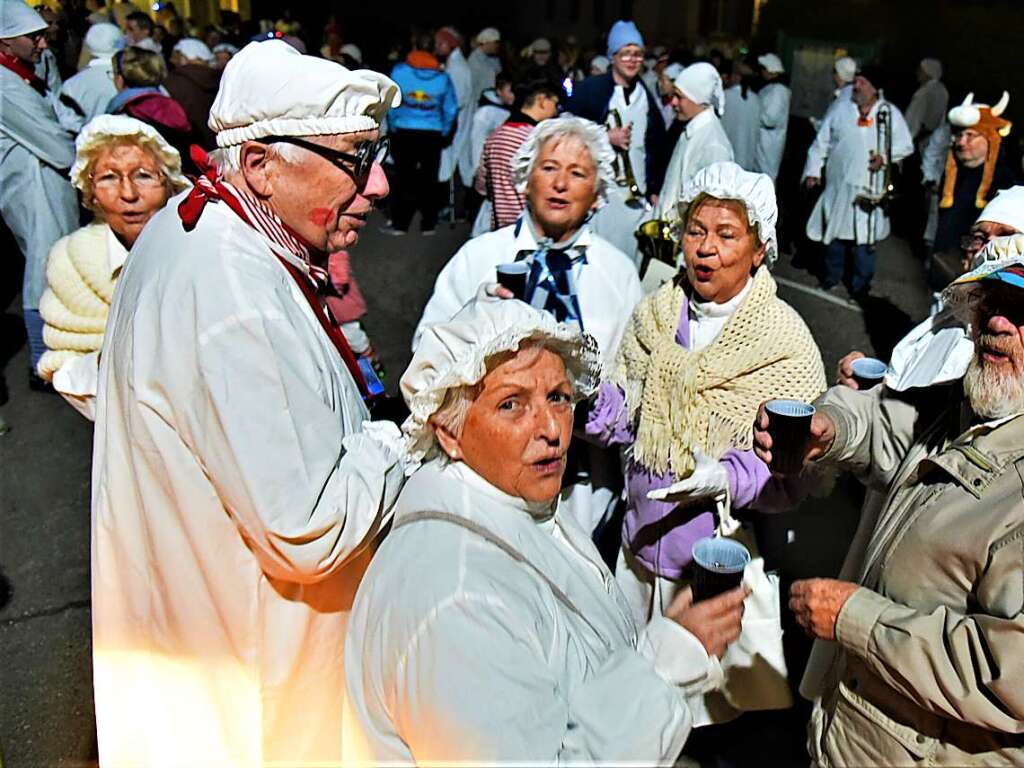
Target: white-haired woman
{"type": "Point", "coordinates": [487, 630]}
{"type": "Point", "coordinates": [699, 356]}
{"type": "Point", "coordinates": [126, 172]}
{"type": "Point", "coordinates": [563, 168]}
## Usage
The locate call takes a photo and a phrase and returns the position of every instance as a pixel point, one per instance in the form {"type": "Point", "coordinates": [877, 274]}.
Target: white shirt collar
{"type": "Point", "coordinates": [708, 309]}
{"type": "Point", "coordinates": [537, 510]}
{"type": "Point", "coordinates": [117, 254]}
{"type": "Point", "coordinates": [699, 122]}
{"type": "Point", "coordinates": [525, 241]}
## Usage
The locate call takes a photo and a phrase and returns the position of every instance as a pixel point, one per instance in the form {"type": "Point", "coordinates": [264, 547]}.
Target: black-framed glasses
{"type": "Point", "coordinates": [357, 164]}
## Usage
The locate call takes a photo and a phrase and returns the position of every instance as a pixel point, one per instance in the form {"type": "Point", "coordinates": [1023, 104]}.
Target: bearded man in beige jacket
{"type": "Point", "coordinates": [928, 623]}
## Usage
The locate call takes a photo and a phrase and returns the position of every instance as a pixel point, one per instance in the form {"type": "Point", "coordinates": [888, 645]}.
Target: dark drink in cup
{"type": "Point", "coordinates": [513, 276]}
{"type": "Point", "coordinates": [868, 372]}
{"type": "Point", "coordinates": [717, 566]}
{"type": "Point", "coordinates": [789, 424]}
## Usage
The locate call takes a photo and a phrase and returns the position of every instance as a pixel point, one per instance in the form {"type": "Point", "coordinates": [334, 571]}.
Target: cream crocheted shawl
{"type": "Point", "coordinates": [77, 298]}
{"type": "Point", "coordinates": [680, 400]}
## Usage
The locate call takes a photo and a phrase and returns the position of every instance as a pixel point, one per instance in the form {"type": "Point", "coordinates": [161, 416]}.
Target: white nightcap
{"type": "Point", "coordinates": [270, 89]}
{"type": "Point", "coordinates": [1006, 208]}
{"type": "Point", "coordinates": [702, 84]}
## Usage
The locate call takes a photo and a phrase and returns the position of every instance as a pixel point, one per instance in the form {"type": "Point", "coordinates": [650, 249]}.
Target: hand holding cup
{"type": "Point", "coordinates": [820, 436]}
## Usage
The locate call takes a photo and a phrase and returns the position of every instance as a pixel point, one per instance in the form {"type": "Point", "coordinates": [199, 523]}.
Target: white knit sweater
{"type": "Point", "coordinates": [81, 273]}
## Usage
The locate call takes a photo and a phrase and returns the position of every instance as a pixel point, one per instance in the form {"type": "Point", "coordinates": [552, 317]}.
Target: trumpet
{"type": "Point", "coordinates": [624, 176]}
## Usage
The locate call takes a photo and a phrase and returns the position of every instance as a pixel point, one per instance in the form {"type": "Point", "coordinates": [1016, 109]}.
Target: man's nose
{"type": "Point", "coordinates": [998, 323]}
{"type": "Point", "coordinates": [376, 185]}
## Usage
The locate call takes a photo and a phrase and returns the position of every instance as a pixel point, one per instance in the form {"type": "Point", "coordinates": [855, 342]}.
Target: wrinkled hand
{"type": "Point", "coordinates": [620, 137]}
{"type": "Point", "coordinates": [823, 432]}
{"type": "Point", "coordinates": [709, 478]}
{"type": "Point", "coordinates": [716, 622]}
{"type": "Point", "coordinates": [816, 603]}
{"type": "Point", "coordinates": [876, 162]}
{"type": "Point", "coordinates": [812, 181]}
{"type": "Point", "coordinates": [844, 371]}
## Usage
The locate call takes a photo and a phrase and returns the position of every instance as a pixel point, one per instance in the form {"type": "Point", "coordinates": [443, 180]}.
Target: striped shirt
{"type": "Point", "coordinates": [496, 170]}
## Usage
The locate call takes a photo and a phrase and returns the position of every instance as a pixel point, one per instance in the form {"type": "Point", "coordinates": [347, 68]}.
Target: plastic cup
{"type": "Point", "coordinates": [789, 424]}
{"type": "Point", "coordinates": [868, 372]}
{"type": "Point", "coordinates": [513, 276]}
{"type": "Point", "coordinates": [718, 566]}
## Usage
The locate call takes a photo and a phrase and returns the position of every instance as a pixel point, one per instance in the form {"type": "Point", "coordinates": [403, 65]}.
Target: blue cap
{"type": "Point", "coordinates": [623, 33]}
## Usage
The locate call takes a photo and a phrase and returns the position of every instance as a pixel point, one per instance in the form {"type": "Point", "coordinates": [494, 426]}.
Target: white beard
{"type": "Point", "coordinates": [992, 394]}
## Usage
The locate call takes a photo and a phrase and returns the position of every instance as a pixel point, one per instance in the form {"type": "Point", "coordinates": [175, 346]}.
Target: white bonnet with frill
{"type": "Point", "coordinates": [728, 181]}
{"type": "Point", "coordinates": [455, 354]}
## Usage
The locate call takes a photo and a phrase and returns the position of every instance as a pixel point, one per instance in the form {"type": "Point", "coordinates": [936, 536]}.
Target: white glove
{"type": "Point", "coordinates": [709, 478]}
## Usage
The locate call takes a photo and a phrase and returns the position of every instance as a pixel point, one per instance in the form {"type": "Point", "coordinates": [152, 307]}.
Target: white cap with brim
{"type": "Point", "coordinates": [846, 68]}
{"type": "Point", "coordinates": [1002, 260]}
{"type": "Point", "coordinates": [193, 49]}
{"type": "Point", "coordinates": [270, 89]}
{"type": "Point", "coordinates": [1006, 208]}
{"type": "Point", "coordinates": [105, 129]}
{"type": "Point", "coordinates": [16, 19]}
{"type": "Point", "coordinates": [772, 63]}
{"type": "Point", "coordinates": [488, 35]}
{"type": "Point", "coordinates": [103, 40]}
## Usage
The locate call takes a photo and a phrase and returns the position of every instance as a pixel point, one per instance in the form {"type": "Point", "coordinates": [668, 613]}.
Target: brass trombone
{"type": "Point", "coordinates": [624, 176]}
{"type": "Point", "coordinates": [881, 187]}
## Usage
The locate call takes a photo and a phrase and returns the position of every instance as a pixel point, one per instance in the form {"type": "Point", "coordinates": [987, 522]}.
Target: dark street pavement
{"type": "Point", "coordinates": [46, 705]}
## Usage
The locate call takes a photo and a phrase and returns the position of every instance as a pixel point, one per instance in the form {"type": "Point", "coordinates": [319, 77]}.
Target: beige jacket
{"type": "Point", "coordinates": [930, 668]}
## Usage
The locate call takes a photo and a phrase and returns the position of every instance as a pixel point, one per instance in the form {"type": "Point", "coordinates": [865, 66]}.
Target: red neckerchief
{"type": "Point", "coordinates": [210, 187]}
{"type": "Point", "coordinates": [24, 71]}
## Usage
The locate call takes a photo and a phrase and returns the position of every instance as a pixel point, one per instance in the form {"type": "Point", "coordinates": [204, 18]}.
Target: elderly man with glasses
{"type": "Point", "coordinates": [37, 202]}
{"type": "Point", "coordinates": [238, 486]}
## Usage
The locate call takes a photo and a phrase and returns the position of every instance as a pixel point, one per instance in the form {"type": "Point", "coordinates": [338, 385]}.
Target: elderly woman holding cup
{"type": "Point", "coordinates": [126, 172]}
{"type": "Point", "coordinates": [700, 355]}
{"type": "Point", "coordinates": [487, 629]}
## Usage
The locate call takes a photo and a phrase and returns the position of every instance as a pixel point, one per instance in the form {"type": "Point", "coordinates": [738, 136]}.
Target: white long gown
{"type": "Point", "coordinates": [843, 149]}
{"type": "Point", "coordinates": [235, 498]}
{"type": "Point", "coordinates": [37, 201]}
{"type": "Point", "coordinates": [457, 156]}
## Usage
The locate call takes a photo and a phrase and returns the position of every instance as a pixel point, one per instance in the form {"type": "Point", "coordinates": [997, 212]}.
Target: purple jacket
{"type": "Point", "coordinates": [658, 533]}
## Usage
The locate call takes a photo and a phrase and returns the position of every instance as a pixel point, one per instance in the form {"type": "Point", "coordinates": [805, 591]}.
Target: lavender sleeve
{"type": "Point", "coordinates": [748, 476]}
{"type": "Point", "coordinates": [608, 423]}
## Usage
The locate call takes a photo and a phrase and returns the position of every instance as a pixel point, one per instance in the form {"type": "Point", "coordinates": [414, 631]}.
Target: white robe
{"type": "Point", "coordinates": [486, 118]}
{"type": "Point", "coordinates": [742, 122]}
{"type": "Point", "coordinates": [484, 69]}
{"type": "Point", "coordinates": [608, 289]}
{"type": "Point", "coordinates": [37, 201]}
{"type": "Point", "coordinates": [927, 109]}
{"type": "Point", "coordinates": [771, 138]}
{"type": "Point", "coordinates": [458, 653]}
{"type": "Point", "coordinates": [92, 88]}
{"type": "Point", "coordinates": [701, 143]}
{"type": "Point", "coordinates": [846, 147]}
{"type": "Point", "coordinates": [234, 502]}
{"type": "Point", "coordinates": [458, 154]}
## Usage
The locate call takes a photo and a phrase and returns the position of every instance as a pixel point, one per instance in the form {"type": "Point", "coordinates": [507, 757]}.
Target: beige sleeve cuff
{"type": "Point", "coordinates": [857, 620]}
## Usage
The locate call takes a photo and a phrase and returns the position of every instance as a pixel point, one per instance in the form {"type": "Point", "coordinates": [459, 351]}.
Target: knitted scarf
{"type": "Point", "coordinates": [681, 400]}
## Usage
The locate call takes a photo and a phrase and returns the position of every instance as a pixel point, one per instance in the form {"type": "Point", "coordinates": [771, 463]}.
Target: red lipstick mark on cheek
{"type": "Point", "coordinates": [320, 216]}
